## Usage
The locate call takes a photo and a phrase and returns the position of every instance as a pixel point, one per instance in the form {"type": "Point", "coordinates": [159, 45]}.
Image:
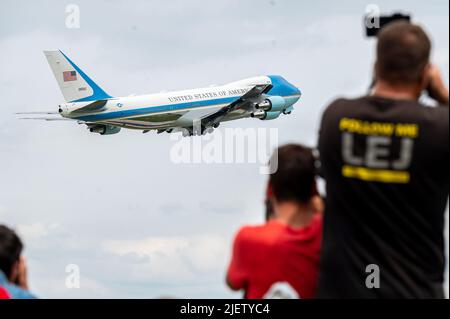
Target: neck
{"type": "Point", "coordinates": [395, 92]}
{"type": "Point", "coordinates": [293, 214]}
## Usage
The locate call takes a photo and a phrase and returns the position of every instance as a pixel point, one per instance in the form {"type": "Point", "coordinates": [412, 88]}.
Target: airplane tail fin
{"type": "Point", "coordinates": [75, 85]}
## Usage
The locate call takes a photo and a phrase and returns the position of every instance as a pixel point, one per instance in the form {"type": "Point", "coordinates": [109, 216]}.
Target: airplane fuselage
{"type": "Point", "coordinates": [180, 109]}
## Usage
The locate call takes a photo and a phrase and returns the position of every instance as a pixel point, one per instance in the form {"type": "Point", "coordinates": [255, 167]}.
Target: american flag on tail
{"type": "Point", "coordinates": [69, 76]}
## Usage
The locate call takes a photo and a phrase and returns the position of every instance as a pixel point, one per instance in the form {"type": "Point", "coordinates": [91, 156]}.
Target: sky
{"type": "Point", "coordinates": [136, 224]}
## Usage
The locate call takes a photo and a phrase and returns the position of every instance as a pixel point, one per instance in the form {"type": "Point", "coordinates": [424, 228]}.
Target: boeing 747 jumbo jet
{"type": "Point", "coordinates": [194, 112]}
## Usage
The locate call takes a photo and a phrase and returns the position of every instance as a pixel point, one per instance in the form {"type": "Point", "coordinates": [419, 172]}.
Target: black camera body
{"type": "Point", "coordinates": [373, 26]}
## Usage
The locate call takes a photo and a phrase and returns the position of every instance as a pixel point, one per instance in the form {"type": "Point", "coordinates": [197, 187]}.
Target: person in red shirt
{"type": "Point", "coordinates": [286, 249]}
{"type": "Point", "coordinates": [3, 294]}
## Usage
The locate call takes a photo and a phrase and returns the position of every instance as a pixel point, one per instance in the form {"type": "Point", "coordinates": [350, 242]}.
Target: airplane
{"type": "Point", "coordinates": [193, 112]}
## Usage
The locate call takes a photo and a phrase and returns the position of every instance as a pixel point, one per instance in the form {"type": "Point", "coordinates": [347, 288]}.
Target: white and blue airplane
{"type": "Point", "coordinates": [262, 97]}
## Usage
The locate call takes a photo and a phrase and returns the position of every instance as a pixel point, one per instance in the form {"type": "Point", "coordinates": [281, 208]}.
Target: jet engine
{"type": "Point", "coordinates": [265, 116]}
{"type": "Point", "coordinates": [104, 129]}
{"type": "Point", "coordinates": [273, 104]}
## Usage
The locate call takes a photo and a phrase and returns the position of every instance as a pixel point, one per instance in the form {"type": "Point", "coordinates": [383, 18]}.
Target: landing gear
{"type": "Point", "coordinates": [203, 130]}
{"type": "Point", "coordinates": [288, 110]}
{"type": "Point", "coordinates": [187, 133]}
{"type": "Point", "coordinates": [192, 131]}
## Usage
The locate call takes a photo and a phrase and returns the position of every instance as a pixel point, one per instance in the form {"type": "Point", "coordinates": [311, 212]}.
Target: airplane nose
{"type": "Point", "coordinates": [295, 89]}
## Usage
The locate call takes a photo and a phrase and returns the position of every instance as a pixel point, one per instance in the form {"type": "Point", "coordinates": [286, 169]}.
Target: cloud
{"type": "Point", "coordinates": [147, 247]}
{"type": "Point", "coordinates": [148, 267]}
{"type": "Point", "coordinates": [37, 231]}
{"type": "Point", "coordinates": [174, 257]}
{"type": "Point", "coordinates": [2, 211]}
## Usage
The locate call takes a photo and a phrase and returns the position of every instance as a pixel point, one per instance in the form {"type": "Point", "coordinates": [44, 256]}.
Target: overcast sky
{"type": "Point", "coordinates": [137, 224]}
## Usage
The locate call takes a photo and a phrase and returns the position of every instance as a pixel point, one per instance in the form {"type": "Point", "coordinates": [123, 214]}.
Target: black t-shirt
{"type": "Point", "coordinates": [385, 163]}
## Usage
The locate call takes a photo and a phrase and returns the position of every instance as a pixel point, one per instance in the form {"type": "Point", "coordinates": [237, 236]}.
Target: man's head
{"type": "Point", "coordinates": [294, 179]}
{"type": "Point", "coordinates": [403, 55]}
{"type": "Point", "coordinates": [10, 251]}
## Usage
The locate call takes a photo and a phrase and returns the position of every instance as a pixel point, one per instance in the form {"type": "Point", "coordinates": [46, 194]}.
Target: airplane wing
{"type": "Point", "coordinates": [257, 91]}
{"type": "Point", "coordinates": [245, 101]}
{"type": "Point", "coordinates": [254, 93]}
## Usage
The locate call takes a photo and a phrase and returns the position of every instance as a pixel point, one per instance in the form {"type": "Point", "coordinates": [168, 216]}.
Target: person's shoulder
{"type": "Point", "coordinates": [439, 113]}
{"type": "Point", "coordinates": [249, 231]}
{"type": "Point", "coordinates": [16, 292]}
{"type": "Point", "coordinates": [344, 101]}
{"type": "Point", "coordinates": [253, 233]}
{"type": "Point", "coordinates": [433, 119]}
{"type": "Point", "coordinates": [342, 104]}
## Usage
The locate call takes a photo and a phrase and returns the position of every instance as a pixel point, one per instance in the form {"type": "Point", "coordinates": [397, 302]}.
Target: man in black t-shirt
{"type": "Point", "coordinates": [385, 161]}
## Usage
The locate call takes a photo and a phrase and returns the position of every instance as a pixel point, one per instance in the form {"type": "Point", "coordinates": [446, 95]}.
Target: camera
{"type": "Point", "coordinates": [373, 23]}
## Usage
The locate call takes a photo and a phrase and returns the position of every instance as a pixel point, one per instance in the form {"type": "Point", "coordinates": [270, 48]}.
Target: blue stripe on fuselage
{"type": "Point", "coordinates": [155, 109]}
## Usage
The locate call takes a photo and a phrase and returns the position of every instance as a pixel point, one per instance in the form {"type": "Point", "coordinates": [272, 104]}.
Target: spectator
{"type": "Point", "coordinates": [13, 274]}
{"type": "Point", "coordinates": [385, 161]}
{"type": "Point", "coordinates": [285, 250]}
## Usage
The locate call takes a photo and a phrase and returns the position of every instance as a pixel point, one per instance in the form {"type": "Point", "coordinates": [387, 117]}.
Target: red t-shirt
{"type": "Point", "coordinates": [272, 253]}
{"type": "Point", "coordinates": [3, 293]}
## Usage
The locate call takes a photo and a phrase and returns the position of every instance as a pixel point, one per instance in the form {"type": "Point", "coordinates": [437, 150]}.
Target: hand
{"type": "Point", "coordinates": [317, 205]}
{"type": "Point", "coordinates": [22, 278]}
{"type": "Point", "coordinates": [437, 89]}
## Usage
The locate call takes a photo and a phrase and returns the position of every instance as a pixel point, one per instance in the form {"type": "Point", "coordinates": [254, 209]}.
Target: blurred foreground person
{"type": "Point", "coordinates": [13, 273]}
{"type": "Point", "coordinates": [280, 259]}
{"type": "Point", "coordinates": [385, 161]}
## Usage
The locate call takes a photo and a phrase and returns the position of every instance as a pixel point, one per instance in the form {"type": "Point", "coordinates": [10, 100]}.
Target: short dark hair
{"type": "Point", "coordinates": [10, 249]}
{"type": "Point", "coordinates": [403, 52]}
{"type": "Point", "coordinates": [294, 177]}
